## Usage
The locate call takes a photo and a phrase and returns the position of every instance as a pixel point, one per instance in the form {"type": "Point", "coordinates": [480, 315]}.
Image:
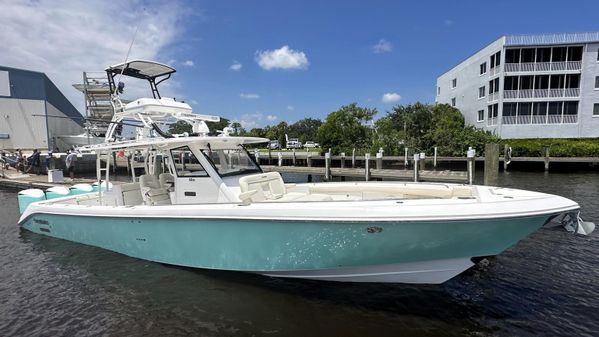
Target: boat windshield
{"type": "Point", "coordinates": [230, 162]}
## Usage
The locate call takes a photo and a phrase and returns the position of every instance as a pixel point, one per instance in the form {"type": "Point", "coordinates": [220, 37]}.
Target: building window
{"type": "Point", "coordinates": [454, 83]}
{"type": "Point", "coordinates": [493, 111]}
{"type": "Point", "coordinates": [492, 114]}
{"type": "Point", "coordinates": [596, 109]}
{"type": "Point", "coordinates": [453, 101]}
{"type": "Point", "coordinates": [438, 91]}
{"type": "Point", "coordinates": [481, 92]}
{"type": "Point", "coordinates": [596, 82]}
{"type": "Point", "coordinates": [481, 116]}
{"type": "Point", "coordinates": [495, 60]}
{"type": "Point", "coordinates": [483, 68]}
{"type": "Point", "coordinates": [494, 86]}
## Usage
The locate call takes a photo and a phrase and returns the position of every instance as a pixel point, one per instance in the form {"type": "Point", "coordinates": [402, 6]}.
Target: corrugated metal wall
{"type": "Point", "coordinates": [22, 112]}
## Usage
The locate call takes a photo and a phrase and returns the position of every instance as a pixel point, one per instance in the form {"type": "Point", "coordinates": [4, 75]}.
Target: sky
{"type": "Point", "coordinates": [263, 62]}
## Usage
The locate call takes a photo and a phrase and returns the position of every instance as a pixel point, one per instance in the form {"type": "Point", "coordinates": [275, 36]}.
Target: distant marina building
{"type": "Point", "coordinates": [33, 112]}
{"type": "Point", "coordinates": [529, 86]}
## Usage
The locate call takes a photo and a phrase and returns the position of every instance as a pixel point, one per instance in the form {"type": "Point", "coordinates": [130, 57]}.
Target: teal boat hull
{"type": "Point", "coordinates": [296, 248]}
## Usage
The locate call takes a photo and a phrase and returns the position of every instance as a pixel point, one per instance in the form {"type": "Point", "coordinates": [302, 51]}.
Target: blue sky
{"type": "Point", "coordinates": [333, 45]}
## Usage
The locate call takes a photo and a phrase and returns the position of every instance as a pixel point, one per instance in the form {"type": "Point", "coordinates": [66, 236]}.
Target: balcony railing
{"type": "Point", "coordinates": [541, 93]}
{"type": "Point", "coordinates": [494, 71]}
{"type": "Point", "coordinates": [525, 93]}
{"type": "Point", "coordinates": [543, 66]}
{"type": "Point", "coordinates": [540, 119]}
{"type": "Point", "coordinates": [493, 96]}
{"type": "Point", "coordinates": [492, 121]}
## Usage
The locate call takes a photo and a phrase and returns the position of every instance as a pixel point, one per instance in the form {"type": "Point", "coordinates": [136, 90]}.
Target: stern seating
{"type": "Point", "coordinates": [152, 192]}
{"type": "Point", "coordinates": [270, 187]}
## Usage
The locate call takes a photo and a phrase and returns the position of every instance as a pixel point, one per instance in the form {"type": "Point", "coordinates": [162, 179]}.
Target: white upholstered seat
{"type": "Point", "coordinates": [270, 187]}
{"type": "Point", "coordinates": [151, 191]}
{"type": "Point", "coordinates": [166, 180]}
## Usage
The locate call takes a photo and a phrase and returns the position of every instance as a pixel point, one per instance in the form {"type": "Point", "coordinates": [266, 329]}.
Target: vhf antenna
{"type": "Point", "coordinates": [128, 52]}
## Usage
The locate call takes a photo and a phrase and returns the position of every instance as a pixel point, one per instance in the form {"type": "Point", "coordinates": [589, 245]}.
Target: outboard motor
{"type": "Point", "coordinates": [26, 197]}
{"type": "Point", "coordinates": [81, 189]}
{"type": "Point", "coordinates": [95, 186]}
{"type": "Point", "coordinates": [57, 192]}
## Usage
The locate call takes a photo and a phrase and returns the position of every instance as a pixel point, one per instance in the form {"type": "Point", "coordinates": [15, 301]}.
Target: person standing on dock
{"type": "Point", "coordinates": [49, 161]}
{"type": "Point", "coordinates": [70, 163]}
{"type": "Point", "coordinates": [34, 162]}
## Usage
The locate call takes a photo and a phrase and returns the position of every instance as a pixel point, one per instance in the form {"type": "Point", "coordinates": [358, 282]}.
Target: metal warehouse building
{"type": "Point", "coordinates": [33, 112]}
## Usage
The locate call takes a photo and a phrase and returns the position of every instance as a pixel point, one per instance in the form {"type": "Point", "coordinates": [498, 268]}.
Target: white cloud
{"type": "Point", "coordinates": [63, 40]}
{"type": "Point", "coordinates": [391, 97]}
{"type": "Point", "coordinates": [193, 102]}
{"type": "Point", "coordinates": [255, 120]}
{"type": "Point", "coordinates": [249, 96]}
{"type": "Point", "coordinates": [290, 107]}
{"type": "Point", "coordinates": [188, 63]}
{"type": "Point", "coordinates": [282, 58]}
{"type": "Point", "coordinates": [236, 66]}
{"type": "Point", "coordinates": [383, 46]}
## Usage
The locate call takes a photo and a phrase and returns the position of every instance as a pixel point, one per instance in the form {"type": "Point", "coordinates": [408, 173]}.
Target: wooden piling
{"type": "Point", "coordinates": [405, 160]}
{"type": "Point", "coordinates": [294, 158]}
{"type": "Point", "coordinates": [435, 159]}
{"type": "Point", "coordinates": [491, 164]}
{"type": "Point", "coordinates": [506, 156]}
{"type": "Point", "coordinates": [379, 160]}
{"type": "Point", "coordinates": [327, 166]}
{"type": "Point", "coordinates": [353, 158]}
{"type": "Point", "coordinates": [309, 160]}
{"type": "Point", "coordinates": [470, 157]}
{"type": "Point", "coordinates": [546, 159]}
{"type": "Point", "coordinates": [367, 166]}
{"type": "Point", "coordinates": [342, 159]}
{"type": "Point", "coordinates": [416, 160]}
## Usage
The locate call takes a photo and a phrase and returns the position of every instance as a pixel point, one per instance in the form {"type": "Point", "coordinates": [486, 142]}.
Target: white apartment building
{"type": "Point", "coordinates": [529, 86]}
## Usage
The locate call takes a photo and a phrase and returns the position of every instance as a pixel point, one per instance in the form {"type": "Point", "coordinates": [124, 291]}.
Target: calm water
{"type": "Point", "coordinates": [545, 285]}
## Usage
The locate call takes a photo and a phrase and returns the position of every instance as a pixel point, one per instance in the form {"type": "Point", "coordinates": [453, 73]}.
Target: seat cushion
{"type": "Point", "coordinates": [268, 186]}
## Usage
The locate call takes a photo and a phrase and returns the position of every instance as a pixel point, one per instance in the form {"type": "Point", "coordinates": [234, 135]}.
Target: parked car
{"type": "Point", "coordinates": [274, 145]}
{"type": "Point", "coordinates": [311, 144]}
{"type": "Point", "coordinates": [293, 143]}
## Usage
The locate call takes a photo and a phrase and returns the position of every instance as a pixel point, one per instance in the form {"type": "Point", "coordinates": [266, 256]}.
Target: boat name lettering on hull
{"type": "Point", "coordinates": [374, 229]}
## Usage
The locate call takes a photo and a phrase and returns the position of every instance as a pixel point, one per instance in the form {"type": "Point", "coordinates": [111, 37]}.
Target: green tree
{"type": "Point", "coordinates": [305, 129]}
{"type": "Point", "coordinates": [179, 127]}
{"type": "Point", "coordinates": [257, 132]}
{"type": "Point", "coordinates": [346, 129]}
{"type": "Point", "coordinates": [218, 126]}
{"type": "Point", "coordinates": [278, 132]}
{"type": "Point", "coordinates": [421, 127]}
{"type": "Point", "coordinates": [388, 136]}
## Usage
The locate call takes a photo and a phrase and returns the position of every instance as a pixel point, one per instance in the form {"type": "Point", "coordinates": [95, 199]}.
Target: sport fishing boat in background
{"type": "Point", "coordinates": [204, 202]}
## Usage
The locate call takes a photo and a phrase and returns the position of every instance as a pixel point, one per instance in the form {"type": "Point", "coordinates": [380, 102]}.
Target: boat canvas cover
{"type": "Point", "coordinates": [141, 69]}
